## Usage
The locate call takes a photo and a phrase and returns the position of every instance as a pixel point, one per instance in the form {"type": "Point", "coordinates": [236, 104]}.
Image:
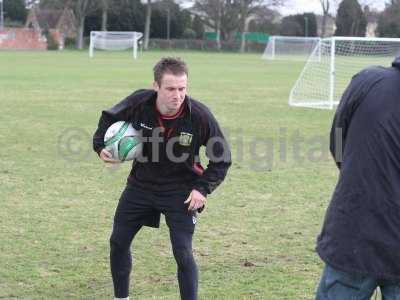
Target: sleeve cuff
{"type": "Point", "coordinates": [201, 190]}
{"type": "Point", "coordinates": [99, 150]}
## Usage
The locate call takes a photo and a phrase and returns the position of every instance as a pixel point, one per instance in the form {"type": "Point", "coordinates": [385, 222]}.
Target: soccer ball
{"type": "Point", "coordinates": [123, 141]}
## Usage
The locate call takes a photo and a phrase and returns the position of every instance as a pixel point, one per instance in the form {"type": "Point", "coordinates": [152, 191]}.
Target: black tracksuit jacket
{"type": "Point", "coordinates": [160, 174]}
{"type": "Point", "coordinates": [361, 232]}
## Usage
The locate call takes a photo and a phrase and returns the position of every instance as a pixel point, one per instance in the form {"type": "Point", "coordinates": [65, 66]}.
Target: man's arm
{"type": "Point", "coordinates": [218, 153]}
{"type": "Point", "coordinates": [122, 111]}
{"type": "Point", "coordinates": [353, 96]}
{"type": "Point", "coordinates": [119, 112]}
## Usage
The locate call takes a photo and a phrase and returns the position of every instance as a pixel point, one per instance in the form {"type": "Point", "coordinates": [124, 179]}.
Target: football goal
{"type": "Point", "coordinates": [323, 80]}
{"type": "Point", "coordinates": [290, 47]}
{"type": "Point", "coordinates": [114, 40]}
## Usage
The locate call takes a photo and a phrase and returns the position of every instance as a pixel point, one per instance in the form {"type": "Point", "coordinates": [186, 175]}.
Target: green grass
{"type": "Point", "coordinates": [256, 238]}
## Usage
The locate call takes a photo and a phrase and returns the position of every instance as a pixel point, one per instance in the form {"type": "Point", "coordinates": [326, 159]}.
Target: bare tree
{"type": "Point", "coordinates": [52, 4]}
{"type": "Point", "coordinates": [104, 14]}
{"type": "Point", "coordinates": [211, 13]}
{"type": "Point", "coordinates": [147, 26]}
{"type": "Point", "coordinates": [31, 3]}
{"type": "Point", "coordinates": [326, 6]}
{"type": "Point", "coordinates": [248, 10]}
{"type": "Point", "coordinates": [229, 16]}
{"type": "Point", "coordinates": [82, 8]}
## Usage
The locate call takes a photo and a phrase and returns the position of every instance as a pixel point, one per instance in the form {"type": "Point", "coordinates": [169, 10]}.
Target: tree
{"type": "Point", "coordinates": [184, 20]}
{"type": "Point", "coordinates": [129, 15]}
{"type": "Point", "coordinates": [52, 4]}
{"type": "Point", "coordinates": [227, 17]}
{"type": "Point", "coordinates": [220, 15]}
{"type": "Point", "coordinates": [126, 15]}
{"type": "Point", "coordinates": [104, 14]}
{"type": "Point", "coordinates": [168, 20]}
{"type": "Point", "coordinates": [264, 21]}
{"type": "Point", "coordinates": [310, 24]}
{"type": "Point", "coordinates": [290, 26]}
{"type": "Point", "coordinates": [296, 25]}
{"type": "Point", "coordinates": [14, 10]}
{"type": "Point", "coordinates": [81, 9]}
{"type": "Point", "coordinates": [198, 27]}
{"type": "Point", "coordinates": [246, 9]}
{"type": "Point", "coordinates": [210, 12]}
{"type": "Point", "coordinates": [147, 25]}
{"type": "Point", "coordinates": [31, 3]}
{"type": "Point", "coordinates": [350, 19]}
{"type": "Point", "coordinates": [326, 5]}
{"type": "Point", "coordinates": [389, 20]}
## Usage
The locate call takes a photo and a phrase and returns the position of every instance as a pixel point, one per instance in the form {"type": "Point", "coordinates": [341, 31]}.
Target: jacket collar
{"type": "Point", "coordinates": [149, 115]}
{"type": "Point", "coordinates": [152, 97]}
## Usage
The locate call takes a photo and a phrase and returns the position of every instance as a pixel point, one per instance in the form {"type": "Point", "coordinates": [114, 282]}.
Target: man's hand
{"type": "Point", "coordinates": [196, 200]}
{"type": "Point", "coordinates": [107, 157]}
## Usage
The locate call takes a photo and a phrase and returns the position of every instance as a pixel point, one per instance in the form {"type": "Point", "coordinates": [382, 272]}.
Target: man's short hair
{"type": "Point", "coordinates": [171, 65]}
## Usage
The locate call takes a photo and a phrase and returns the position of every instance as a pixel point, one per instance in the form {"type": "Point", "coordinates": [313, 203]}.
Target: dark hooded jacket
{"type": "Point", "coordinates": [361, 231]}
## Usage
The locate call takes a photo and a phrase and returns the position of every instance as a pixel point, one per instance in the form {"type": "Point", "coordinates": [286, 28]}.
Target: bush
{"type": "Point", "coordinates": [13, 23]}
{"type": "Point", "coordinates": [69, 43]}
{"type": "Point", "coordinates": [51, 43]}
{"type": "Point", "coordinates": [208, 45]}
{"type": "Point", "coordinates": [189, 34]}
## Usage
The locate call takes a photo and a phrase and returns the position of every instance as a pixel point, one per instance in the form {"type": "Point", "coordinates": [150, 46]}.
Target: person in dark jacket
{"type": "Point", "coordinates": [360, 237]}
{"type": "Point", "coordinates": [169, 178]}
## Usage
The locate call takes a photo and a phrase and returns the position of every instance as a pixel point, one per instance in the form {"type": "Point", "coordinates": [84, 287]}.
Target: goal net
{"type": "Point", "coordinates": [114, 40]}
{"type": "Point", "coordinates": [290, 47]}
{"type": "Point", "coordinates": [323, 80]}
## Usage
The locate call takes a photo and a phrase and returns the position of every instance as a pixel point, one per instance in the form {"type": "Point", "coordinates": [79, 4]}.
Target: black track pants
{"type": "Point", "coordinates": [121, 260]}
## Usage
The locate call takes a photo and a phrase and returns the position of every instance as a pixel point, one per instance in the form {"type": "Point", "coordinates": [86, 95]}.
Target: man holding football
{"type": "Point", "coordinates": [168, 178]}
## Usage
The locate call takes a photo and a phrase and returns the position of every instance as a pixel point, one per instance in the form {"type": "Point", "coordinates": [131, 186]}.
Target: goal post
{"type": "Point", "coordinates": [330, 68]}
{"type": "Point", "coordinates": [290, 47]}
{"type": "Point", "coordinates": [114, 41]}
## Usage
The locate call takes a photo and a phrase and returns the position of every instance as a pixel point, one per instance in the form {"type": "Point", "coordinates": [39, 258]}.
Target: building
{"type": "Point", "coordinates": [59, 23]}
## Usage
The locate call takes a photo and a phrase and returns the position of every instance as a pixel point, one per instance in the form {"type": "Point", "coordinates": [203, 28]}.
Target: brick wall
{"type": "Point", "coordinates": [22, 39]}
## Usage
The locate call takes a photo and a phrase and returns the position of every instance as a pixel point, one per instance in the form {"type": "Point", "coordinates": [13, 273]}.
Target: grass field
{"type": "Point", "coordinates": [256, 238]}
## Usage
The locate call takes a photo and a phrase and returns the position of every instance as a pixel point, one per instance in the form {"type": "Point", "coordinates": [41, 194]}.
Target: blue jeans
{"type": "Point", "coordinates": [338, 285]}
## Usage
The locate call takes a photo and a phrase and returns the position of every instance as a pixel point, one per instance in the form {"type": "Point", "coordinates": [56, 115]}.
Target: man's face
{"type": "Point", "coordinates": [170, 93]}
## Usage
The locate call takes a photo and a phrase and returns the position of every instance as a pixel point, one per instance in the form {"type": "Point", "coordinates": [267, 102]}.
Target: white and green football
{"type": "Point", "coordinates": [123, 141]}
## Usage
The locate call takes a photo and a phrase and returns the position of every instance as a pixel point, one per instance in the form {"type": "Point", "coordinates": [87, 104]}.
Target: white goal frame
{"type": "Point", "coordinates": [281, 47]}
{"type": "Point", "coordinates": [122, 40]}
{"type": "Point", "coordinates": [335, 67]}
